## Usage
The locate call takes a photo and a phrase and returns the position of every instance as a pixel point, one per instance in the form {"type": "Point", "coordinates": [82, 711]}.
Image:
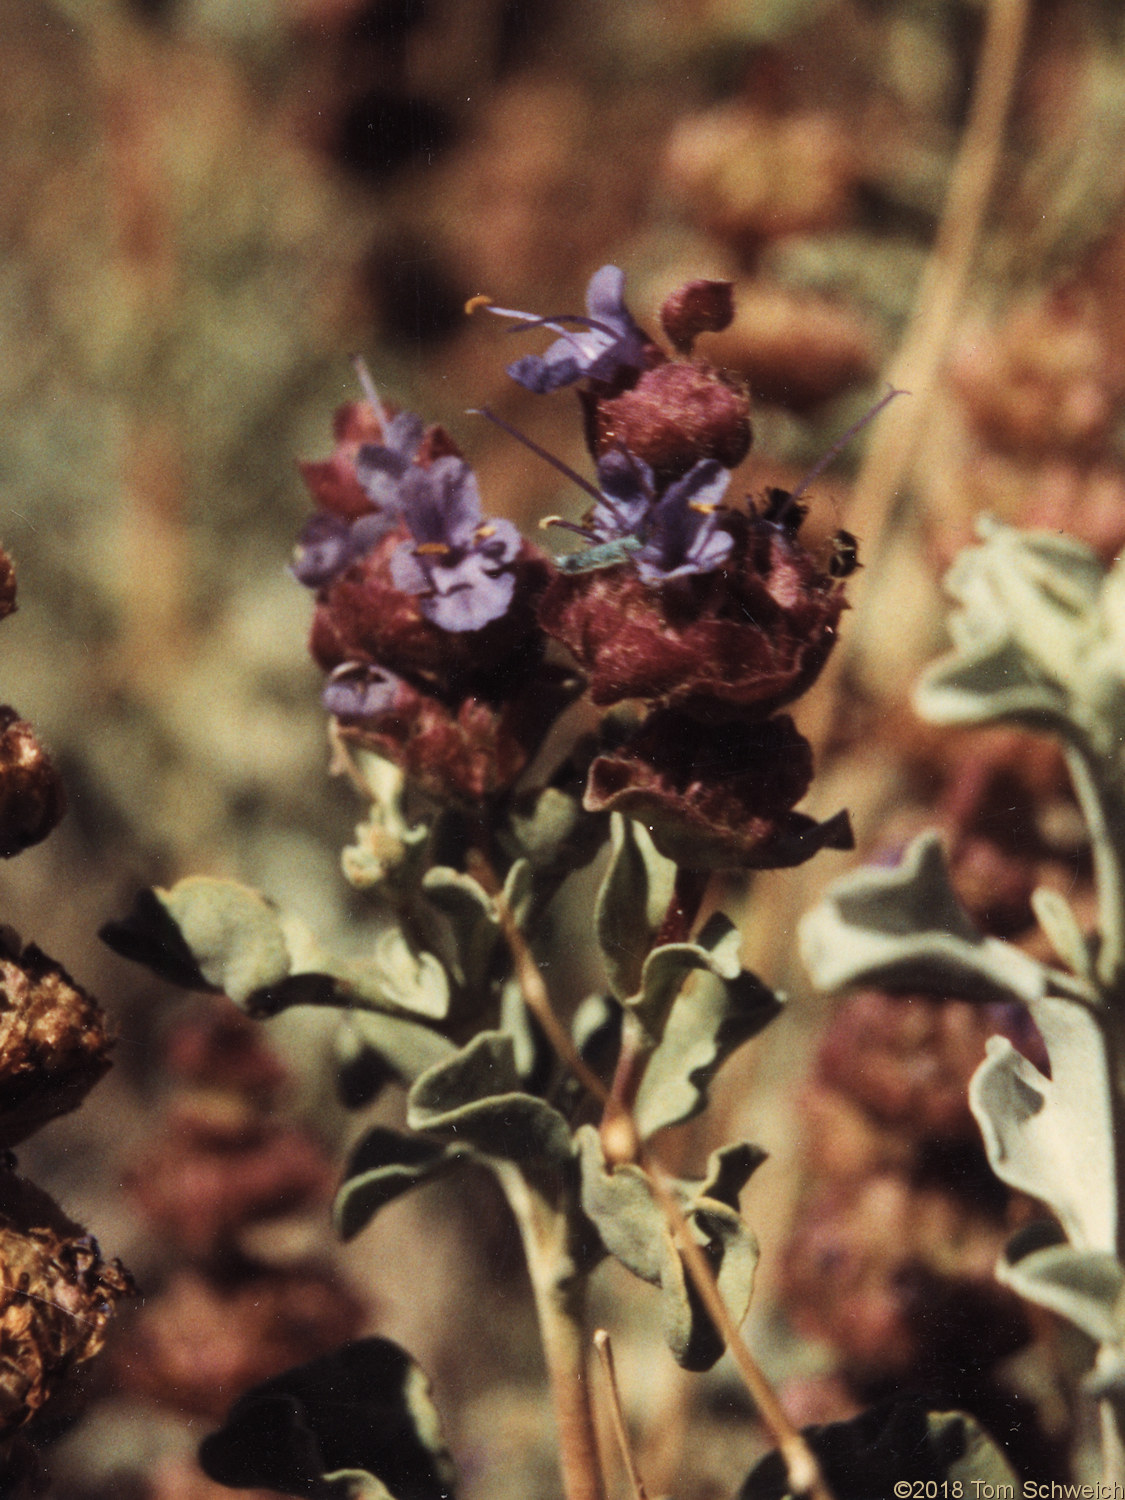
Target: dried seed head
{"type": "Point", "coordinates": [56, 1298]}
{"type": "Point", "coordinates": [31, 793]}
{"type": "Point", "coordinates": [53, 1041]}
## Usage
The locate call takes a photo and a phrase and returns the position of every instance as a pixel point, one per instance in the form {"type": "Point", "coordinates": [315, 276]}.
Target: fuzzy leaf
{"type": "Point", "coordinates": [355, 1423]}
{"type": "Point", "coordinates": [149, 935]}
{"type": "Point", "coordinates": [709, 1018]}
{"type": "Point", "coordinates": [1037, 641]}
{"type": "Point", "coordinates": [1087, 1287]}
{"type": "Point", "coordinates": [471, 914]}
{"type": "Point", "coordinates": [383, 1165]}
{"type": "Point", "coordinates": [1055, 916]}
{"type": "Point", "coordinates": [631, 903]}
{"type": "Point", "coordinates": [518, 892]}
{"type": "Point", "coordinates": [904, 930]}
{"type": "Point", "coordinates": [667, 968]}
{"type": "Point", "coordinates": [896, 1442]}
{"type": "Point", "coordinates": [991, 683]}
{"type": "Point", "coordinates": [634, 1228]}
{"type": "Point", "coordinates": [1053, 1137]}
{"type": "Point", "coordinates": [236, 942]}
{"type": "Point", "coordinates": [477, 1098]}
{"type": "Point", "coordinates": [555, 832]}
{"type": "Point", "coordinates": [222, 932]}
{"type": "Point", "coordinates": [373, 1050]}
{"type": "Point", "coordinates": [395, 978]}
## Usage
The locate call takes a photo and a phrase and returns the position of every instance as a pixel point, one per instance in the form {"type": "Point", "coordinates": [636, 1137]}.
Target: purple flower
{"type": "Point", "coordinates": [670, 535]}
{"type": "Point", "coordinates": [683, 535]}
{"type": "Point", "coordinates": [331, 540]}
{"type": "Point", "coordinates": [626, 498]}
{"type": "Point", "coordinates": [601, 346]}
{"type": "Point", "coordinates": [459, 564]}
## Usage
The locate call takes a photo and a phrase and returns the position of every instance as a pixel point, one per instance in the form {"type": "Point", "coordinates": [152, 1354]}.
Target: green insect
{"type": "Point", "coordinates": [605, 555]}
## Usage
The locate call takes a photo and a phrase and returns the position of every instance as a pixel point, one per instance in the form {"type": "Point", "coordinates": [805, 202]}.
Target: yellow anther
{"type": "Point", "coordinates": [474, 304]}
{"type": "Point", "coordinates": [431, 549]}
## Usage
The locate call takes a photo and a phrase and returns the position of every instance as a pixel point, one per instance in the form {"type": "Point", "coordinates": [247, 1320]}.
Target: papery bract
{"type": "Point", "coordinates": [364, 616]}
{"type": "Point", "coordinates": [714, 796]}
{"type": "Point", "coordinates": [464, 751]}
{"type": "Point", "coordinates": [674, 415]}
{"type": "Point", "coordinates": [736, 642]}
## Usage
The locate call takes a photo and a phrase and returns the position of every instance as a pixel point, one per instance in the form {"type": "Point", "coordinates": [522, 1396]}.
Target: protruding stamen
{"type": "Point", "coordinates": [367, 386]}
{"type": "Point", "coordinates": [475, 304]}
{"type": "Point", "coordinates": [556, 463]}
{"type": "Point", "coordinates": [561, 521]}
{"type": "Point", "coordinates": [819, 467]}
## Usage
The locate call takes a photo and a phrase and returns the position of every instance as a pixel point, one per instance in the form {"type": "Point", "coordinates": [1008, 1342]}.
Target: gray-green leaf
{"type": "Point", "coordinates": [1053, 1137]}
{"type": "Point", "coordinates": [896, 1442]}
{"type": "Point", "coordinates": [631, 903]}
{"type": "Point", "coordinates": [1087, 1287]}
{"type": "Point", "coordinates": [475, 926]}
{"type": "Point", "coordinates": [476, 1097]}
{"type": "Point", "coordinates": [373, 1049]}
{"type": "Point", "coordinates": [351, 1425]}
{"type": "Point", "coordinates": [235, 941]}
{"type": "Point", "coordinates": [904, 930]}
{"type": "Point", "coordinates": [709, 1018]}
{"type": "Point", "coordinates": [633, 1227]}
{"type": "Point", "coordinates": [383, 1165]}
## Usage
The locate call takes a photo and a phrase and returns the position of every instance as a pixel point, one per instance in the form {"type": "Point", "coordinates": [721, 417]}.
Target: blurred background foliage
{"type": "Point", "coordinates": [207, 206]}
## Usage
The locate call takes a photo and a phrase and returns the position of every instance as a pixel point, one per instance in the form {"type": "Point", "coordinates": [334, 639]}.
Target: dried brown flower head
{"type": "Point", "coordinates": [740, 642]}
{"type": "Point", "coordinates": [32, 800]}
{"type": "Point", "coordinates": [53, 1041]}
{"type": "Point", "coordinates": [56, 1298]}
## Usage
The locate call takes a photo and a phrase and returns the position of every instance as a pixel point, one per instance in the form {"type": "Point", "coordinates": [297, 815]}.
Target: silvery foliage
{"type": "Point", "coordinates": [1038, 641]}
{"type": "Point", "coordinates": [435, 1005]}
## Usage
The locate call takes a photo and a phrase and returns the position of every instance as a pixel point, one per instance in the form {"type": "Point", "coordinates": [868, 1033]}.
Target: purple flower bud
{"type": "Point", "coordinates": [329, 543]}
{"type": "Point", "coordinates": [357, 691]}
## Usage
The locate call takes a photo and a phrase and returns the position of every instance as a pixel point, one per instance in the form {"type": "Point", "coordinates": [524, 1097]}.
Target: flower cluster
{"type": "Point", "coordinates": [440, 628]}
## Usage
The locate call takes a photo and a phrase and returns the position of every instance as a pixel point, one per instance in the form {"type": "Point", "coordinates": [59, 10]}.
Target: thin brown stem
{"type": "Point", "coordinates": [617, 1416]}
{"type": "Point", "coordinates": [802, 1468]}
